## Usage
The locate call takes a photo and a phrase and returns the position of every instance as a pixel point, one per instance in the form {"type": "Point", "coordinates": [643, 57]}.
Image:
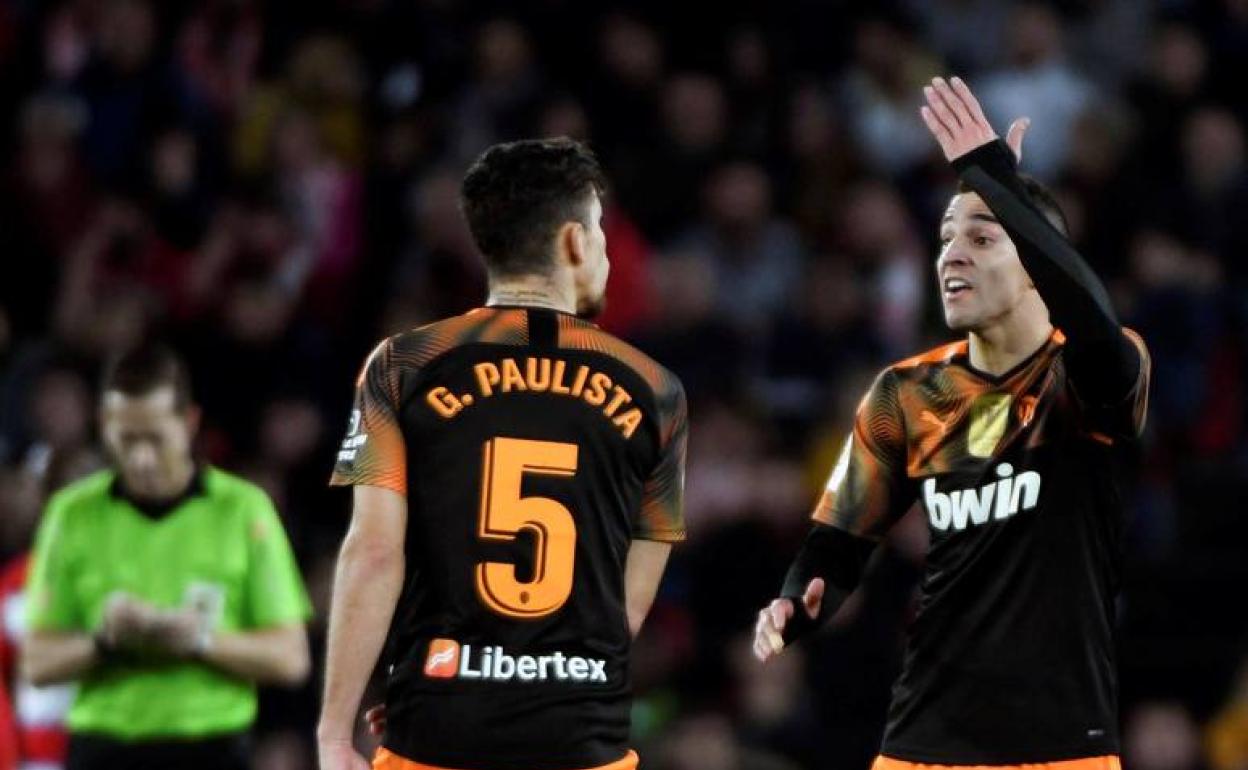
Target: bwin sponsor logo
{"type": "Point", "coordinates": [1002, 499]}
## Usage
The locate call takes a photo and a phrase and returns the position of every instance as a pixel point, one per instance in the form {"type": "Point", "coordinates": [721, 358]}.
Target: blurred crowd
{"type": "Point", "coordinates": [272, 186]}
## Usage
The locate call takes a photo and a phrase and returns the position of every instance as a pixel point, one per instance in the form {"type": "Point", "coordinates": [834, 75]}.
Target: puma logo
{"type": "Point", "coordinates": [1027, 410]}
{"type": "Point", "coordinates": [928, 416]}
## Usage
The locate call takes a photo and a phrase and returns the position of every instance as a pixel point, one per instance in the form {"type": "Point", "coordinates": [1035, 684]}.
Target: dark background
{"type": "Point", "coordinates": [272, 186]}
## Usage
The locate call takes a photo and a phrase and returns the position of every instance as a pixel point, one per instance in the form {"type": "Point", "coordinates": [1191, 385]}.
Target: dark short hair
{"type": "Point", "coordinates": [1042, 197]}
{"type": "Point", "coordinates": [146, 367]}
{"type": "Point", "coordinates": [515, 196]}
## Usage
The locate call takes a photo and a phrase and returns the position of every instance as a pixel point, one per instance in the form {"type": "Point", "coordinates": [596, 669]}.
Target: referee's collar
{"type": "Point", "coordinates": [161, 508]}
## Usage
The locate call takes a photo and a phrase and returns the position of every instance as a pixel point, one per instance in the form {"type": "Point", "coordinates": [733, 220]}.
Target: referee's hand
{"type": "Point", "coordinates": [772, 620]}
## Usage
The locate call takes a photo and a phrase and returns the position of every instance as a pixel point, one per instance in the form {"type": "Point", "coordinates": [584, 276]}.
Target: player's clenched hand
{"type": "Point", "coordinates": [772, 620]}
{"type": "Point", "coordinates": [339, 755]}
{"type": "Point", "coordinates": [954, 117]}
{"type": "Point", "coordinates": [376, 719]}
{"type": "Point", "coordinates": [769, 629]}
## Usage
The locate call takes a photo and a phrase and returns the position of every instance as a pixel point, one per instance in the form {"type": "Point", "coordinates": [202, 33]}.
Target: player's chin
{"type": "Point", "coordinates": [958, 320]}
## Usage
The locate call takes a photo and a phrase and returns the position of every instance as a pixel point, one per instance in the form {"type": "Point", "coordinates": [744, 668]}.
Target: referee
{"type": "Point", "coordinates": [166, 587]}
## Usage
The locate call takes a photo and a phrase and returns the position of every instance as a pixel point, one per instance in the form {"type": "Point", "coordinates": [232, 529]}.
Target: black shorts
{"type": "Point", "coordinates": [96, 752]}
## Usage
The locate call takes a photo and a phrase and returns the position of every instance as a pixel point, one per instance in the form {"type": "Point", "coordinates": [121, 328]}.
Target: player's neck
{"type": "Point", "coordinates": [1001, 347]}
{"type": "Point", "coordinates": [532, 291]}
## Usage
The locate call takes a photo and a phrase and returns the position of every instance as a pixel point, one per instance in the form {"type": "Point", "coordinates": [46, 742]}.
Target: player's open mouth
{"type": "Point", "coordinates": [954, 287]}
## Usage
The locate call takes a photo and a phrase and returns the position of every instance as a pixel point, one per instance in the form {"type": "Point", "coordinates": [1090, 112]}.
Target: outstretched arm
{"type": "Point", "coordinates": [826, 570]}
{"type": "Point", "coordinates": [867, 492]}
{"type": "Point", "coordinates": [1103, 362]}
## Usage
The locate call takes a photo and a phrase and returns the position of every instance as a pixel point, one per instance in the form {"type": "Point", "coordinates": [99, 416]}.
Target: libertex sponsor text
{"type": "Point", "coordinates": [448, 659]}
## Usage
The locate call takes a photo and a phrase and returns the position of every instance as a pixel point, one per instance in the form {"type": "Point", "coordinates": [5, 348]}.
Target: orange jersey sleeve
{"type": "Point", "coordinates": [1137, 402]}
{"type": "Point", "coordinates": [866, 492]}
{"type": "Point", "coordinates": [373, 450]}
{"type": "Point", "coordinates": [1125, 419]}
{"type": "Point", "coordinates": [662, 515]}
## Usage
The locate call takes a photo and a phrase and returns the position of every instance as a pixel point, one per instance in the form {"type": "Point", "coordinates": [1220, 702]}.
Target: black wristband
{"type": "Point", "coordinates": [801, 623]}
{"type": "Point", "coordinates": [995, 157]}
{"type": "Point", "coordinates": [838, 558]}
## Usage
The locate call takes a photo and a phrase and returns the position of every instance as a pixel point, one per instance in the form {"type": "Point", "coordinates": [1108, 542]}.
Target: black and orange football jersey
{"type": "Point", "coordinates": [1011, 656]}
{"type": "Point", "coordinates": [532, 448]}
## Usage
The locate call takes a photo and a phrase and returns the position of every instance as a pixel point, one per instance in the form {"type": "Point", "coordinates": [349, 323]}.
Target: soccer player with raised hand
{"type": "Point", "coordinates": [1014, 441]}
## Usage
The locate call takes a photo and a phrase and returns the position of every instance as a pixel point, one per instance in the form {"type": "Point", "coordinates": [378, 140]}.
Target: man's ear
{"type": "Point", "coordinates": [571, 242]}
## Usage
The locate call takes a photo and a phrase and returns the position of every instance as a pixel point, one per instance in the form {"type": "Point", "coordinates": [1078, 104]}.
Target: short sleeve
{"type": "Point", "coordinates": [866, 493]}
{"type": "Point", "coordinates": [276, 594]}
{"type": "Point", "coordinates": [373, 450]}
{"type": "Point", "coordinates": [662, 515]}
{"type": "Point", "coordinates": [51, 603]}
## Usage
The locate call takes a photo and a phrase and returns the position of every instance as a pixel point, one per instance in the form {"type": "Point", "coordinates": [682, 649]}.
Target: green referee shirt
{"type": "Point", "coordinates": [223, 543]}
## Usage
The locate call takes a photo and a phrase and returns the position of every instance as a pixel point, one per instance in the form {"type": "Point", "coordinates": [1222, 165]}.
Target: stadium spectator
{"type": "Point", "coordinates": [1161, 735]}
{"type": "Point", "coordinates": [39, 739]}
{"type": "Point", "coordinates": [877, 93]}
{"type": "Point", "coordinates": [1227, 734]}
{"type": "Point", "coordinates": [756, 256]}
{"type": "Point", "coordinates": [1038, 81]}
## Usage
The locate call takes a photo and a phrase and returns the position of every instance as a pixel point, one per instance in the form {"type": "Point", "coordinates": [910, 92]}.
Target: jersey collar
{"type": "Point", "coordinates": [1055, 340]}
{"type": "Point", "coordinates": [157, 510]}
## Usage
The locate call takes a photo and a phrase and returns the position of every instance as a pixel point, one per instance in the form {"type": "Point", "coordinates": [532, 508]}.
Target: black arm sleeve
{"type": "Point", "coordinates": [836, 556]}
{"type": "Point", "coordinates": [1102, 362]}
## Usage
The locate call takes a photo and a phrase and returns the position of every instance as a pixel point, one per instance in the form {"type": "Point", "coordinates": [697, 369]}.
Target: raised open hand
{"type": "Point", "coordinates": [954, 117]}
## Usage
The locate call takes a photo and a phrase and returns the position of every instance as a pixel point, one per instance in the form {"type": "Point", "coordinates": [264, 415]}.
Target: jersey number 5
{"type": "Point", "coordinates": [505, 513]}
